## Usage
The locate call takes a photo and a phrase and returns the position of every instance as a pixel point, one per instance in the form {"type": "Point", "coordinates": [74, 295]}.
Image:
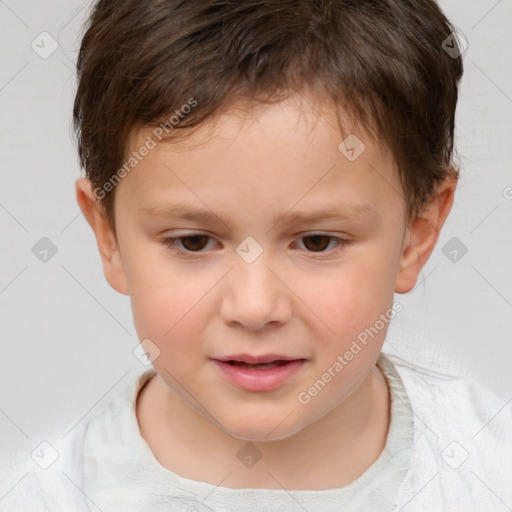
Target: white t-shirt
{"type": "Point", "coordinates": [449, 448]}
{"type": "Point", "coordinates": [125, 466]}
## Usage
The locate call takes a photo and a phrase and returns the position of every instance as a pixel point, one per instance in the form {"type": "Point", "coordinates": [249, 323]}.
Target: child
{"type": "Point", "coordinates": [261, 129]}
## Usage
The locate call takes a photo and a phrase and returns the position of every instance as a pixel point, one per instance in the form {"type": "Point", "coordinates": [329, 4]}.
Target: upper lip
{"type": "Point", "coordinates": [250, 359]}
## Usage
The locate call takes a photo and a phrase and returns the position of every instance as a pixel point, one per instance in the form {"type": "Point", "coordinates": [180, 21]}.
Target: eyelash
{"type": "Point", "coordinates": [170, 243]}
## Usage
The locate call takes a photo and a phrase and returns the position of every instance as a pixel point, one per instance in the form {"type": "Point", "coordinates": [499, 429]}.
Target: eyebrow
{"type": "Point", "coordinates": [188, 212]}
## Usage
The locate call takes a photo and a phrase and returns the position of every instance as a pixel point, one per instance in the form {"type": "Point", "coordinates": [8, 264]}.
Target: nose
{"type": "Point", "coordinates": [256, 295]}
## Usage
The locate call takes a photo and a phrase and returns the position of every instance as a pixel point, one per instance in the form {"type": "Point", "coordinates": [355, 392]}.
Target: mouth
{"type": "Point", "coordinates": [258, 366]}
{"type": "Point", "coordinates": [259, 373]}
{"type": "Point", "coordinates": [251, 359]}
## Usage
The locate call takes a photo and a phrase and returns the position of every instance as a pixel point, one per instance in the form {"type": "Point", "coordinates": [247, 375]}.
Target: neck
{"type": "Point", "coordinates": [340, 446]}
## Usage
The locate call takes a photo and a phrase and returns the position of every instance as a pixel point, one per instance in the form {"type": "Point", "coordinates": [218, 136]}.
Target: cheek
{"type": "Point", "coordinates": [350, 299]}
{"type": "Point", "coordinates": [171, 320]}
{"type": "Point", "coordinates": [166, 303]}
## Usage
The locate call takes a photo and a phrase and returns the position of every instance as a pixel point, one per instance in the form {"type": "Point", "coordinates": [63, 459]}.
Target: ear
{"type": "Point", "coordinates": [107, 244]}
{"type": "Point", "coordinates": [422, 235]}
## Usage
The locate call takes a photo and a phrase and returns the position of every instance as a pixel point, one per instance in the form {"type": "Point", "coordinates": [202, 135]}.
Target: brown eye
{"type": "Point", "coordinates": [318, 242]}
{"type": "Point", "coordinates": [190, 243]}
{"type": "Point", "coordinates": [195, 242]}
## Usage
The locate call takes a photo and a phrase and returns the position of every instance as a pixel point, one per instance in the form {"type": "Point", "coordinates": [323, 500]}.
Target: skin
{"type": "Point", "coordinates": [295, 299]}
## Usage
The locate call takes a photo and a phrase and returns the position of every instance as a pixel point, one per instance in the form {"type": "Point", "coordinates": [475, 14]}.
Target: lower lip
{"type": "Point", "coordinates": [259, 380]}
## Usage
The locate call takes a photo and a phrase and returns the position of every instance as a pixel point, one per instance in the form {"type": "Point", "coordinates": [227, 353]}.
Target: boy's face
{"type": "Point", "coordinates": [303, 297]}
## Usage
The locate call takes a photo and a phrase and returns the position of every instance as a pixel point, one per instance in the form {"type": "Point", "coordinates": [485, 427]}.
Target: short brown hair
{"type": "Point", "coordinates": [381, 62]}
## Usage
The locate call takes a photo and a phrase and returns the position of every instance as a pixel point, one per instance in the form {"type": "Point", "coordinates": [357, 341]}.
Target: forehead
{"type": "Point", "coordinates": [282, 154]}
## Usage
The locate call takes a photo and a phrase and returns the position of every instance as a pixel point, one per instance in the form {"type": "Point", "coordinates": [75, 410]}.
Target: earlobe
{"type": "Point", "coordinates": [414, 255]}
{"type": "Point", "coordinates": [107, 245]}
{"type": "Point", "coordinates": [422, 236]}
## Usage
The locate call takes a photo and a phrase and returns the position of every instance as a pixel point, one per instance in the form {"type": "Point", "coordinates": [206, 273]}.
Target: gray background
{"type": "Point", "coordinates": [67, 338]}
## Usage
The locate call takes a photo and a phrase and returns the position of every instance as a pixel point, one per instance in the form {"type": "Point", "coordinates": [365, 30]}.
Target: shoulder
{"type": "Point", "coordinates": [445, 397]}
{"type": "Point", "coordinates": [52, 477]}
{"type": "Point", "coordinates": [461, 457]}
{"type": "Point", "coordinates": [48, 479]}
